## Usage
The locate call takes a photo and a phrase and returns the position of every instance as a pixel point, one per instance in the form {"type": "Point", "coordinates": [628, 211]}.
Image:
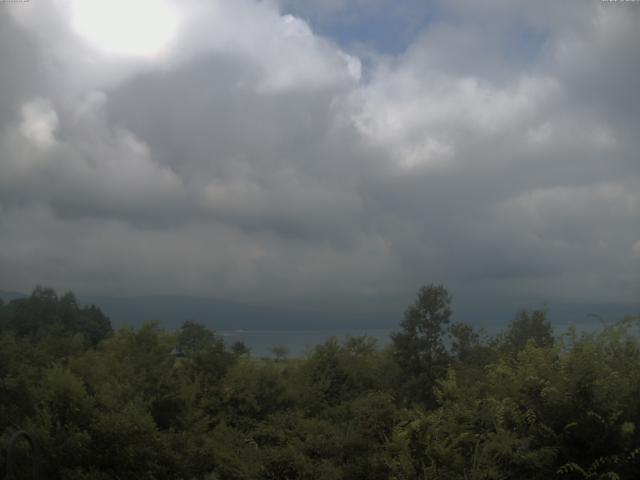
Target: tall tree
{"type": "Point", "coordinates": [194, 336]}
{"type": "Point", "coordinates": [419, 347]}
{"type": "Point", "coordinates": [529, 326]}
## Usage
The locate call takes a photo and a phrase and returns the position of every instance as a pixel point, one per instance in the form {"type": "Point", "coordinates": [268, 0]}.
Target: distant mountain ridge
{"type": "Point", "coordinates": [7, 296]}
{"type": "Point", "coordinates": [172, 310]}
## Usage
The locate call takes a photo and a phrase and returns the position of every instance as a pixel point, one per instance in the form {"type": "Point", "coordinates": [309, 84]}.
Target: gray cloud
{"type": "Point", "coordinates": [256, 160]}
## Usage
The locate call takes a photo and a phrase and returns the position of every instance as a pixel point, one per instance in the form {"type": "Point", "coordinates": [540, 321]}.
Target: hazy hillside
{"type": "Point", "coordinates": [8, 296]}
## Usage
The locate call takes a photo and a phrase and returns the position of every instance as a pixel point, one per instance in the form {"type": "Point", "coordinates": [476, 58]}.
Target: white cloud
{"type": "Point", "coordinates": [257, 159]}
{"type": "Point", "coordinates": [92, 167]}
{"type": "Point", "coordinates": [550, 210]}
{"type": "Point", "coordinates": [540, 135]}
{"type": "Point", "coordinates": [423, 117]}
{"type": "Point", "coordinates": [39, 122]}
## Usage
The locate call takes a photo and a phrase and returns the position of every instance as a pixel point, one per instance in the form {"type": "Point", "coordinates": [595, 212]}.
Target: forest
{"type": "Point", "coordinates": [82, 401]}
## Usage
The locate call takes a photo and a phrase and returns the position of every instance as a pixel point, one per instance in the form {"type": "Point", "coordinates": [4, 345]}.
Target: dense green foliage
{"type": "Point", "coordinates": [440, 402]}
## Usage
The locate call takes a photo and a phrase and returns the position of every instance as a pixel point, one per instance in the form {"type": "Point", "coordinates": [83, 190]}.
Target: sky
{"type": "Point", "coordinates": [322, 152]}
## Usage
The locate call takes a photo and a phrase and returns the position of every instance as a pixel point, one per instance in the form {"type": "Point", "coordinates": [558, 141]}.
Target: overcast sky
{"type": "Point", "coordinates": [309, 151]}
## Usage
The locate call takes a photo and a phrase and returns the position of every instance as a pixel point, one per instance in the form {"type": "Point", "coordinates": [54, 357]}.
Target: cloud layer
{"type": "Point", "coordinates": [256, 157]}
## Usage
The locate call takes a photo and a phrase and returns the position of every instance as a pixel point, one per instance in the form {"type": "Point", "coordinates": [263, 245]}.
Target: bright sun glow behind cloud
{"type": "Point", "coordinates": [126, 28]}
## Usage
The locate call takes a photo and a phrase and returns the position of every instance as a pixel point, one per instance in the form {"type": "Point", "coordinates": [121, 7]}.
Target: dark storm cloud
{"type": "Point", "coordinates": [255, 160]}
